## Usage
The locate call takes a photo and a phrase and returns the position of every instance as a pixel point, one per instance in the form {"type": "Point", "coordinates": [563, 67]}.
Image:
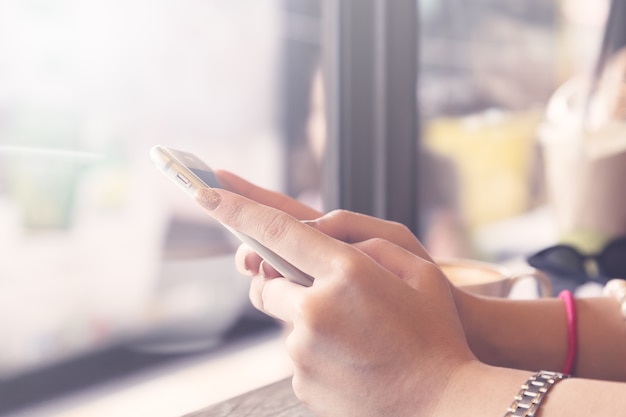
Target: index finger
{"type": "Point", "coordinates": [276, 230]}
{"type": "Point", "coordinates": [264, 196]}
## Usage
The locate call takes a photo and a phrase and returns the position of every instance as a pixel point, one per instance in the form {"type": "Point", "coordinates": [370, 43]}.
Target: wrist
{"type": "Point", "coordinates": [521, 334]}
{"type": "Point", "coordinates": [478, 325]}
{"type": "Point", "coordinates": [477, 389]}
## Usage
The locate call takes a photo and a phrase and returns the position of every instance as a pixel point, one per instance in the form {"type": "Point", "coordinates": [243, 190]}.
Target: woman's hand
{"type": "Point", "coordinates": [484, 320]}
{"type": "Point", "coordinates": [341, 224]}
{"type": "Point", "coordinates": [363, 341]}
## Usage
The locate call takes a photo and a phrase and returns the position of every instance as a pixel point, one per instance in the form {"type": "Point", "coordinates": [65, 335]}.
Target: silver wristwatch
{"type": "Point", "coordinates": [528, 399]}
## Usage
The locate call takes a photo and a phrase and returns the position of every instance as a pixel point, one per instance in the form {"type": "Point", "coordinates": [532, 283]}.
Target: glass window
{"type": "Point", "coordinates": [487, 72]}
{"type": "Point", "coordinates": [98, 248]}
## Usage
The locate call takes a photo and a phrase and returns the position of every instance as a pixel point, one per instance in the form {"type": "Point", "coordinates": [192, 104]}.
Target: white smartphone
{"type": "Point", "coordinates": [190, 173]}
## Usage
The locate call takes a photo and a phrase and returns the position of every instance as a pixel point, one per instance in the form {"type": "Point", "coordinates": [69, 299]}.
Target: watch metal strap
{"type": "Point", "coordinates": [528, 399]}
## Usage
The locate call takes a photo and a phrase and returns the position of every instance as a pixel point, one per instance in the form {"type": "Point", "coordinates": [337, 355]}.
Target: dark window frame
{"type": "Point", "coordinates": [370, 62]}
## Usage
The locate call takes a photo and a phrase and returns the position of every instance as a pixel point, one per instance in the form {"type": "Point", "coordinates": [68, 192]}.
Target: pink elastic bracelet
{"type": "Point", "coordinates": [572, 326]}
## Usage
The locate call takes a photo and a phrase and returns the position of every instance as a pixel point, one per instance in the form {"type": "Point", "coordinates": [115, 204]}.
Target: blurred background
{"type": "Point", "coordinates": [100, 255]}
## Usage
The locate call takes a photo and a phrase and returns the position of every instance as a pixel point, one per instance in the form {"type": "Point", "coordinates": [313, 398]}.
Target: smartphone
{"type": "Point", "coordinates": [190, 173]}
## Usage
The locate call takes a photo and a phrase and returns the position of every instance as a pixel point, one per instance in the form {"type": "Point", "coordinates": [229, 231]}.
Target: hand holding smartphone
{"type": "Point", "coordinates": [190, 173]}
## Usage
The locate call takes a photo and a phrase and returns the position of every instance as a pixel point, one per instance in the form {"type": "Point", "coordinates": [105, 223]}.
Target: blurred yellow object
{"type": "Point", "coordinates": [492, 152]}
{"type": "Point", "coordinates": [586, 241]}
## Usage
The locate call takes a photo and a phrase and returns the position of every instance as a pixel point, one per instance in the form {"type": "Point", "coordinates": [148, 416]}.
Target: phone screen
{"type": "Point", "coordinates": [208, 177]}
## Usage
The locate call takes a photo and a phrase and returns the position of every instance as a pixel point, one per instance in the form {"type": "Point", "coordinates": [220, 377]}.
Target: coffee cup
{"type": "Point", "coordinates": [491, 280]}
{"type": "Point", "coordinates": [584, 167]}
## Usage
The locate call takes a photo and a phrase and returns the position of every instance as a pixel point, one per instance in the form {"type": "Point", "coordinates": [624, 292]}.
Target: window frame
{"type": "Point", "coordinates": [370, 64]}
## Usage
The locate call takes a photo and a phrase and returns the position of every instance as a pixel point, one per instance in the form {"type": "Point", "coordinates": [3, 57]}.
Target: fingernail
{"type": "Point", "coordinates": [248, 266]}
{"type": "Point", "coordinates": [267, 271]}
{"type": "Point", "coordinates": [208, 198]}
{"type": "Point", "coordinates": [263, 270]}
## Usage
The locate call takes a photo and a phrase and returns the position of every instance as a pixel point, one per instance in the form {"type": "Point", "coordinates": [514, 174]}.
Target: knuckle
{"type": "Point", "coordinates": [276, 227]}
{"type": "Point", "coordinates": [348, 266]}
{"type": "Point", "coordinates": [377, 242]}
{"type": "Point", "coordinates": [400, 228]}
{"type": "Point", "coordinates": [312, 313]}
{"type": "Point", "coordinates": [339, 214]}
{"type": "Point", "coordinates": [233, 214]}
{"type": "Point", "coordinates": [300, 350]}
{"type": "Point", "coordinates": [376, 245]}
{"type": "Point", "coordinates": [300, 388]}
{"type": "Point", "coordinates": [336, 217]}
{"type": "Point", "coordinates": [297, 351]}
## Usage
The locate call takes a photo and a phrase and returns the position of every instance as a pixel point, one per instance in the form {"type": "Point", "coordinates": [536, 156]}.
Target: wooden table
{"type": "Point", "coordinates": [274, 400]}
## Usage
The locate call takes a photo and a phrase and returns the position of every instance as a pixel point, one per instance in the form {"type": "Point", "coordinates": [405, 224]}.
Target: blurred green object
{"type": "Point", "coordinates": [44, 191]}
{"type": "Point", "coordinates": [42, 175]}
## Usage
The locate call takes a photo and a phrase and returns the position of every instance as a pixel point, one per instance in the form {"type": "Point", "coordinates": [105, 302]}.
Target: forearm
{"type": "Point", "coordinates": [516, 334]}
{"type": "Point", "coordinates": [479, 390]}
{"type": "Point", "coordinates": [602, 339]}
{"type": "Point", "coordinates": [584, 397]}
{"type": "Point", "coordinates": [532, 334]}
